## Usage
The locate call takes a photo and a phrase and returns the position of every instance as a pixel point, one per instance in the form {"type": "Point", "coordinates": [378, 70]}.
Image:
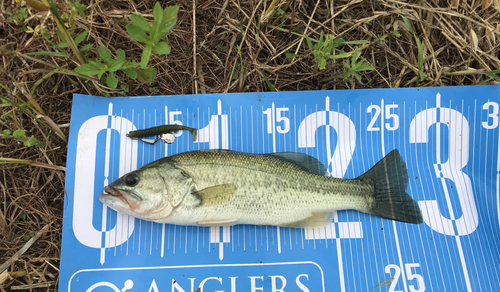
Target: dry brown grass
{"type": "Point", "coordinates": [205, 58]}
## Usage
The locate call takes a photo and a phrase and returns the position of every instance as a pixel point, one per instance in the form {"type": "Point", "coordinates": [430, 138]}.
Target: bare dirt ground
{"type": "Point", "coordinates": [216, 46]}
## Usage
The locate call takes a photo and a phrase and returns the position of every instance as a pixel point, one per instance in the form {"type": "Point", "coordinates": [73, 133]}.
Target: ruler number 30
{"type": "Point", "coordinates": [492, 110]}
{"type": "Point", "coordinates": [409, 276]}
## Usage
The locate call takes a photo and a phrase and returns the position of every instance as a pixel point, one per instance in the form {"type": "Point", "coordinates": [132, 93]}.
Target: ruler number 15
{"type": "Point", "coordinates": [388, 114]}
{"type": "Point", "coordinates": [277, 117]}
{"type": "Point", "coordinates": [409, 276]}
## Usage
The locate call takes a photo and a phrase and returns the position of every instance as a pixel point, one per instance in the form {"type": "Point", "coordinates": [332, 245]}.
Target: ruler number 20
{"type": "Point", "coordinates": [388, 115]}
{"type": "Point", "coordinates": [409, 276]}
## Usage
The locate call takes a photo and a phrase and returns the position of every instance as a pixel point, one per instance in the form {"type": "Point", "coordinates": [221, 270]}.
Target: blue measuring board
{"type": "Point", "coordinates": [448, 136]}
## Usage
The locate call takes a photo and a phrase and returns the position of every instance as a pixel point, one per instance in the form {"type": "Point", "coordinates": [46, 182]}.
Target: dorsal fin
{"type": "Point", "coordinates": [305, 161]}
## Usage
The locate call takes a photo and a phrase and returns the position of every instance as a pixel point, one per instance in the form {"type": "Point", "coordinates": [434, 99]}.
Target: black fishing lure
{"type": "Point", "coordinates": [164, 129]}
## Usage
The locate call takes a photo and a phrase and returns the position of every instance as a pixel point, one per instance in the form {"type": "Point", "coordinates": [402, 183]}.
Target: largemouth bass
{"type": "Point", "coordinates": [220, 187]}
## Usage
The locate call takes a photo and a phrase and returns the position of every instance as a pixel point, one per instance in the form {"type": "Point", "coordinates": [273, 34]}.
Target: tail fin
{"type": "Point", "coordinates": [390, 200]}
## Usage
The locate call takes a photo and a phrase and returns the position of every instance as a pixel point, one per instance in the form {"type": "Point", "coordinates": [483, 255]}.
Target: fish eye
{"type": "Point", "coordinates": [131, 180]}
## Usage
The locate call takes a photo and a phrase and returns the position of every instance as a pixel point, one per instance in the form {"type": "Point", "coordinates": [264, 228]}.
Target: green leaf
{"type": "Point", "coordinates": [364, 66]}
{"type": "Point", "coordinates": [104, 53]}
{"type": "Point", "coordinates": [355, 55]}
{"type": "Point", "coordinates": [59, 34]}
{"type": "Point", "coordinates": [7, 132]}
{"type": "Point", "coordinates": [145, 75]}
{"type": "Point", "coordinates": [146, 55]}
{"type": "Point", "coordinates": [133, 64]}
{"type": "Point", "coordinates": [88, 69]}
{"type": "Point", "coordinates": [80, 8]}
{"type": "Point", "coordinates": [18, 133]}
{"type": "Point", "coordinates": [269, 84]}
{"type": "Point", "coordinates": [420, 53]}
{"type": "Point", "coordinates": [322, 64]}
{"type": "Point", "coordinates": [290, 55]}
{"type": "Point", "coordinates": [103, 68]}
{"type": "Point", "coordinates": [36, 142]}
{"type": "Point", "coordinates": [168, 22]}
{"type": "Point", "coordinates": [165, 29]}
{"type": "Point", "coordinates": [31, 141]}
{"type": "Point", "coordinates": [339, 56]}
{"type": "Point", "coordinates": [161, 48]}
{"type": "Point", "coordinates": [169, 14]}
{"type": "Point", "coordinates": [421, 75]}
{"type": "Point", "coordinates": [63, 45]}
{"type": "Point", "coordinates": [158, 17]}
{"type": "Point", "coordinates": [309, 43]}
{"type": "Point", "coordinates": [114, 65]}
{"type": "Point", "coordinates": [86, 47]}
{"type": "Point", "coordinates": [79, 38]}
{"type": "Point", "coordinates": [124, 88]}
{"type": "Point", "coordinates": [158, 13]}
{"type": "Point", "coordinates": [55, 54]}
{"type": "Point", "coordinates": [408, 24]}
{"type": "Point", "coordinates": [140, 21]}
{"type": "Point", "coordinates": [120, 54]}
{"type": "Point", "coordinates": [45, 34]}
{"type": "Point", "coordinates": [283, 15]}
{"type": "Point", "coordinates": [23, 13]}
{"type": "Point", "coordinates": [137, 33]}
{"type": "Point", "coordinates": [360, 42]}
{"type": "Point", "coordinates": [130, 73]}
{"type": "Point", "coordinates": [112, 81]}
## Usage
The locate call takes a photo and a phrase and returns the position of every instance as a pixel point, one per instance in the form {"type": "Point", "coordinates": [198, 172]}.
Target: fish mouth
{"type": "Point", "coordinates": [130, 199]}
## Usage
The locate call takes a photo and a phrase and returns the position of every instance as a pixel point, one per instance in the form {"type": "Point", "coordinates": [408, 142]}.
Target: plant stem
{"type": "Point", "coordinates": [4, 160]}
{"type": "Point", "coordinates": [63, 30]}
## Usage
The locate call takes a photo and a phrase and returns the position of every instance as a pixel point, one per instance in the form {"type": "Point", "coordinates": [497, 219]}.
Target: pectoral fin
{"type": "Point", "coordinates": [315, 220]}
{"type": "Point", "coordinates": [227, 222]}
{"type": "Point", "coordinates": [216, 195]}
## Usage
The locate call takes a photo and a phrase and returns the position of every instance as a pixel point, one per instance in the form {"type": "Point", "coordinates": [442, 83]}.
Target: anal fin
{"type": "Point", "coordinates": [315, 220]}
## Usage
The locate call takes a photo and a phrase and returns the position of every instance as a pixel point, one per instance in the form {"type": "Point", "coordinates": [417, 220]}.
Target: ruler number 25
{"type": "Point", "coordinates": [420, 287]}
{"type": "Point", "coordinates": [388, 115]}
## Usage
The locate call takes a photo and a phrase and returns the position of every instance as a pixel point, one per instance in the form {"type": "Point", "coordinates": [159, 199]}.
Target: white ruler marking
{"type": "Point", "coordinates": [411, 192]}
{"type": "Point", "coordinates": [459, 244]}
{"type": "Point", "coordinates": [475, 188]}
{"type": "Point", "coordinates": [361, 170]}
{"type": "Point", "coordinates": [273, 123]}
{"type": "Point", "coordinates": [162, 251]}
{"type": "Point", "coordinates": [498, 178]}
